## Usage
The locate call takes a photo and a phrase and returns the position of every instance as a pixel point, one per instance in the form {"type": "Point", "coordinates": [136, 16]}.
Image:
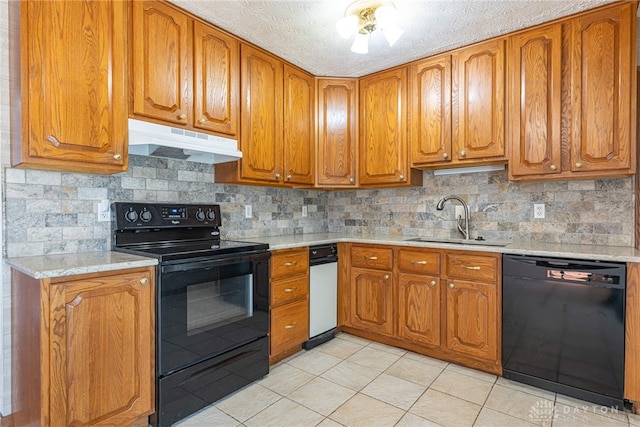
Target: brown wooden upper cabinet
{"type": "Point", "coordinates": [383, 127]}
{"type": "Point", "coordinates": [457, 107]}
{"type": "Point", "coordinates": [183, 72]}
{"type": "Point", "coordinates": [573, 109]}
{"type": "Point", "coordinates": [71, 82]}
{"type": "Point", "coordinates": [336, 153]}
{"type": "Point", "coordinates": [273, 93]}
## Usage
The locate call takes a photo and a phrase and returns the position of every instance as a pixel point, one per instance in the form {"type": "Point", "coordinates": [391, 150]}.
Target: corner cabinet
{"type": "Point", "coordinates": [383, 147]}
{"type": "Point", "coordinates": [184, 73]}
{"type": "Point", "coordinates": [83, 349]}
{"type": "Point", "coordinates": [337, 136]}
{"type": "Point", "coordinates": [561, 77]}
{"type": "Point", "coordinates": [72, 85]}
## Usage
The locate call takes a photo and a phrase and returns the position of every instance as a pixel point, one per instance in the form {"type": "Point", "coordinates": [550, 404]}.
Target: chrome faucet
{"type": "Point", "coordinates": [464, 231]}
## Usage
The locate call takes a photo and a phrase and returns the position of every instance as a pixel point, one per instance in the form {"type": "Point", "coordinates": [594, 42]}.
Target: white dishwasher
{"type": "Point", "coordinates": [323, 294]}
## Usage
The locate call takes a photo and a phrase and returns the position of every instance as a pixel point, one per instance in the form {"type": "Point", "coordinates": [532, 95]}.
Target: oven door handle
{"type": "Point", "coordinates": [214, 263]}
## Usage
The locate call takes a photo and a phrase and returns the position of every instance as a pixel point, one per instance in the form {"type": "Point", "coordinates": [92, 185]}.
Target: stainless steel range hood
{"type": "Point", "coordinates": [150, 139]}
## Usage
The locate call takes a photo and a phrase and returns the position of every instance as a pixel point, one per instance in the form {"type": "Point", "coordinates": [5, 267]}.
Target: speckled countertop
{"type": "Point", "coordinates": [589, 252]}
{"type": "Point", "coordinates": [47, 266]}
{"type": "Point", "coordinates": [61, 265]}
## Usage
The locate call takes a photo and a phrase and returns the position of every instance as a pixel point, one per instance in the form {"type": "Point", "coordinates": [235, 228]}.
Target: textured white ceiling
{"type": "Point", "coordinates": [303, 31]}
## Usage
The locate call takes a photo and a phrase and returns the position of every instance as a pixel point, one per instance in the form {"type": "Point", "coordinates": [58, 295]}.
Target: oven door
{"type": "Point", "coordinates": [208, 307]}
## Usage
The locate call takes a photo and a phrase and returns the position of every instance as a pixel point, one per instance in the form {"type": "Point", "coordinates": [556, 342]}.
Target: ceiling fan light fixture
{"type": "Point", "coordinates": [363, 17]}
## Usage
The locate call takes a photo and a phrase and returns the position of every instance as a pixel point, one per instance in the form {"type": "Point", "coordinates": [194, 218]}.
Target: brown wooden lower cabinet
{"type": "Point", "coordinates": [632, 337]}
{"type": "Point", "coordinates": [83, 349]}
{"type": "Point", "coordinates": [442, 303]}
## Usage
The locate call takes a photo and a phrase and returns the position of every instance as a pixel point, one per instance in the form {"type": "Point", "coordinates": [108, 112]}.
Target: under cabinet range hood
{"type": "Point", "coordinates": [151, 139]}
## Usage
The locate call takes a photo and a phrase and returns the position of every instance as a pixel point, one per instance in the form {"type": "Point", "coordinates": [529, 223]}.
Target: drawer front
{"type": "Point", "coordinates": [289, 262]}
{"type": "Point", "coordinates": [372, 257]}
{"type": "Point", "coordinates": [472, 267]}
{"type": "Point", "coordinates": [287, 290]}
{"type": "Point", "coordinates": [419, 261]}
{"type": "Point", "coordinates": [289, 326]}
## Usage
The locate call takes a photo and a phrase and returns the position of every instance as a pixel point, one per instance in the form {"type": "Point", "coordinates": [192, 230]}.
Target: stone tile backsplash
{"type": "Point", "coordinates": [56, 212]}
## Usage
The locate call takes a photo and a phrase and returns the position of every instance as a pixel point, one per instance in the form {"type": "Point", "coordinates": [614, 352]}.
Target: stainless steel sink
{"type": "Point", "coordinates": [481, 242]}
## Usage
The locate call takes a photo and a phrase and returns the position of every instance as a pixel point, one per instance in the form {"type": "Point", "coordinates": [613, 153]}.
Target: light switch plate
{"type": "Point", "coordinates": [248, 211]}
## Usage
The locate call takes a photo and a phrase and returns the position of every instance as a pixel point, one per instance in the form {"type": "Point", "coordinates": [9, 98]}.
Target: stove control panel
{"type": "Point", "coordinates": [163, 215]}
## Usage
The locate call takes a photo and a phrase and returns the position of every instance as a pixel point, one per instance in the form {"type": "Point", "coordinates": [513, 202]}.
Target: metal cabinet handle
{"type": "Point", "coordinates": [53, 140]}
{"type": "Point", "coordinates": [290, 264]}
{"type": "Point", "coordinates": [351, 180]}
{"type": "Point", "coordinates": [386, 276]}
{"type": "Point", "coordinates": [401, 177]}
{"type": "Point", "coordinates": [182, 116]}
{"type": "Point", "coordinates": [291, 326]}
{"type": "Point", "coordinates": [463, 153]}
{"type": "Point", "coordinates": [117, 156]}
{"type": "Point", "coordinates": [445, 155]}
{"type": "Point", "coordinates": [288, 176]}
{"type": "Point", "coordinates": [202, 120]}
{"type": "Point", "coordinates": [291, 289]}
{"type": "Point", "coordinates": [372, 258]}
{"type": "Point", "coordinates": [470, 267]}
{"type": "Point", "coordinates": [144, 281]}
{"type": "Point", "coordinates": [433, 283]}
{"type": "Point", "coordinates": [553, 167]}
{"type": "Point", "coordinates": [418, 262]}
{"type": "Point", "coordinates": [451, 285]}
{"type": "Point", "coordinates": [578, 165]}
{"type": "Point", "coordinates": [277, 176]}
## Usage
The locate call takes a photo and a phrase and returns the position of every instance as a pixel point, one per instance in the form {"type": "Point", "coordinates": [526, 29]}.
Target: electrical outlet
{"type": "Point", "coordinates": [459, 212]}
{"type": "Point", "coordinates": [104, 211]}
{"type": "Point", "coordinates": [538, 210]}
{"type": "Point", "coordinates": [304, 211]}
{"type": "Point", "coordinates": [248, 211]}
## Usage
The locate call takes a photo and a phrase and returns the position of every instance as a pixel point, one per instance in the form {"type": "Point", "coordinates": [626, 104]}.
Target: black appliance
{"type": "Point", "coordinates": [212, 303]}
{"type": "Point", "coordinates": [563, 326]}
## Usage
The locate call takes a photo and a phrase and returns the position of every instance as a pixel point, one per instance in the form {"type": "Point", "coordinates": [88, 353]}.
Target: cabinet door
{"type": "Point", "coordinates": [162, 62]}
{"type": "Point", "coordinates": [481, 98]}
{"type": "Point", "coordinates": [101, 341]}
{"type": "Point", "coordinates": [299, 141]}
{"type": "Point", "coordinates": [430, 111]}
{"type": "Point", "coordinates": [289, 326]}
{"type": "Point", "coordinates": [602, 71]}
{"type": "Point", "coordinates": [472, 323]}
{"type": "Point", "coordinates": [372, 300]}
{"type": "Point", "coordinates": [216, 72]}
{"type": "Point", "coordinates": [419, 308]}
{"type": "Point", "coordinates": [383, 146]}
{"type": "Point", "coordinates": [74, 97]}
{"type": "Point", "coordinates": [261, 124]}
{"type": "Point", "coordinates": [535, 104]}
{"type": "Point", "coordinates": [337, 140]}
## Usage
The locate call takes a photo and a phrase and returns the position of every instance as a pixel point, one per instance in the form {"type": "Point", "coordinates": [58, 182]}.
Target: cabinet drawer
{"type": "Point", "coordinates": [287, 290]}
{"type": "Point", "coordinates": [289, 262]}
{"type": "Point", "coordinates": [372, 257]}
{"type": "Point", "coordinates": [473, 267]}
{"type": "Point", "coordinates": [289, 326]}
{"type": "Point", "coordinates": [419, 261]}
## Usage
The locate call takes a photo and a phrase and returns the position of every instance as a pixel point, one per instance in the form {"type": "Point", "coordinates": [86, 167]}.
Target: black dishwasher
{"type": "Point", "coordinates": [563, 326]}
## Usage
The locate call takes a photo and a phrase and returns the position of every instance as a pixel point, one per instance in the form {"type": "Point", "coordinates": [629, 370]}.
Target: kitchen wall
{"type": "Point", "coordinates": [54, 212]}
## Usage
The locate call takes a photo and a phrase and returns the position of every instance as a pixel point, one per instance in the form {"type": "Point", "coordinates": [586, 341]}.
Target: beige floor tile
{"type": "Point", "coordinates": [350, 374]}
{"type": "Point", "coordinates": [634, 419]}
{"type": "Point", "coordinates": [472, 373]}
{"type": "Point", "coordinates": [209, 416]}
{"type": "Point", "coordinates": [426, 359]}
{"type": "Point", "coordinates": [411, 420]}
{"type": "Point", "coordinates": [247, 402]}
{"type": "Point", "coordinates": [573, 416]}
{"type": "Point", "coordinates": [362, 341]}
{"type": "Point", "coordinates": [490, 418]}
{"type": "Point", "coordinates": [616, 414]}
{"type": "Point", "coordinates": [322, 395]}
{"type": "Point", "coordinates": [463, 386]}
{"type": "Point", "coordinates": [394, 391]}
{"type": "Point", "coordinates": [365, 411]}
{"type": "Point", "coordinates": [283, 379]}
{"type": "Point", "coordinates": [340, 348]}
{"type": "Point", "coordinates": [549, 395]}
{"type": "Point", "coordinates": [388, 348]}
{"type": "Point", "coordinates": [314, 361]}
{"type": "Point", "coordinates": [416, 371]}
{"type": "Point", "coordinates": [328, 422]}
{"type": "Point", "coordinates": [285, 413]}
{"type": "Point", "coordinates": [374, 359]}
{"type": "Point", "coordinates": [446, 410]}
{"type": "Point", "coordinates": [519, 404]}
